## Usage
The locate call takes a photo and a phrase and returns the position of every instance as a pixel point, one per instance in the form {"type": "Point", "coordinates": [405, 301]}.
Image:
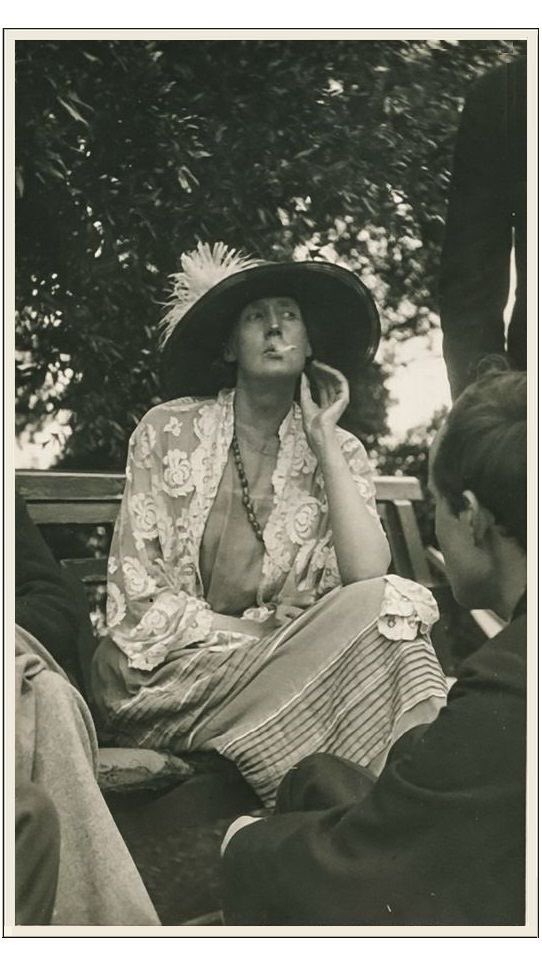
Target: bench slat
{"type": "Point", "coordinates": [93, 498]}
{"type": "Point", "coordinates": [390, 487]}
{"type": "Point", "coordinates": [413, 544]}
{"type": "Point", "coordinates": [405, 541]}
{"type": "Point", "coordinates": [95, 486]}
{"type": "Point", "coordinates": [89, 570]}
{"type": "Point", "coordinates": [70, 486]}
{"type": "Point", "coordinates": [73, 513]}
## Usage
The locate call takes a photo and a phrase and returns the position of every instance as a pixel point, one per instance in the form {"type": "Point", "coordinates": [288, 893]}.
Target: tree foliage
{"type": "Point", "coordinates": [128, 152]}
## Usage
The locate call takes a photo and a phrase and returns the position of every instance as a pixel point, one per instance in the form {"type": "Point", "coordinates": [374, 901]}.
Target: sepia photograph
{"type": "Point", "coordinates": [270, 491]}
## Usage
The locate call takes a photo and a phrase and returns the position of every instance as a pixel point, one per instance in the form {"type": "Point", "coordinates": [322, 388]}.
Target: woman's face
{"type": "Point", "coordinates": [270, 339]}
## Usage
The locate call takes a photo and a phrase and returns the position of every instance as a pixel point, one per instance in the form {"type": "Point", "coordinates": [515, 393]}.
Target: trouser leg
{"type": "Point", "coordinates": [322, 781]}
{"type": "Point", "coordinates": [98, 882]}
{"type": "Point", "coordinates": [37, 855]}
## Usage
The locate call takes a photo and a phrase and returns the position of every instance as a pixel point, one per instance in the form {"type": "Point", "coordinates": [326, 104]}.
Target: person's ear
{"type": "Point", "coordinates": [479, 519]}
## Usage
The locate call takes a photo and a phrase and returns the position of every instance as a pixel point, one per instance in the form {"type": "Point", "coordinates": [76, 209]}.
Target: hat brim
{"type": "Point", "coordinates": [338, 311]}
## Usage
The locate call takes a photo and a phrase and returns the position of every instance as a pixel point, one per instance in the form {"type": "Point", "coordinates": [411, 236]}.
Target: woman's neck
{"type": "Point", "coordinates": [263, 407]}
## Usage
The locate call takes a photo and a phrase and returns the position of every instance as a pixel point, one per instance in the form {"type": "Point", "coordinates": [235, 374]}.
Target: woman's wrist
{"type": "Point", "coordinates": [328, 450]}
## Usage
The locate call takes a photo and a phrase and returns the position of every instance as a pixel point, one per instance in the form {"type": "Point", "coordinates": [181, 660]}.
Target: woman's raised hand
{"type": "Point", "coordinates": [320, 419]}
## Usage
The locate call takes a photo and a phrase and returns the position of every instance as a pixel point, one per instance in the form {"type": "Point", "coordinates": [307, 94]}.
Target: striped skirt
{"type": "Point", "coordinates": [349, 676]}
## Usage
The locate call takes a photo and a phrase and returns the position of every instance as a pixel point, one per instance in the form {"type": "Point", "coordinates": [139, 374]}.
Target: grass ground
{"type": "Point", "coordinates": [175, 837]}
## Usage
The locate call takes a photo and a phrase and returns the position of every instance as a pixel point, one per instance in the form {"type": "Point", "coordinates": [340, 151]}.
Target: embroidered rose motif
{"type": "Point", "coordinates": [137, 580]}
{"type": "Point", "coordinates": [204, 471]}
{"type": "Point", "coordinates": [180, 578]}
{"type": "Point", "coordinates": [302, 520]}
{"type": "Point", "coordinates": [280, 553]}
{"type": "Point", "coordinates": [174, 426]}
{"type": "Point", "coordinates": [365, 485]}
{"type": "Point", "coordinates": [116, 605]}
{"type": "Point", "coordinates": [143, 510]}
{"type": "Point", "coordinates": [304, 461]}
{"type": "Point", "coordinates": [350, 444]}
{"type": "Point", "coordinates": [205, 422]}
{"type": "Point", "coordinates": [154, 622]}
{"type": "Point", "coordinates": [177, 475]}
{"type": "Point", "coordinates": [166, 534]}
{"type": "Point", "coordinates": [180, 404]}
{"type": "Point", "coordinates": [143, 446]}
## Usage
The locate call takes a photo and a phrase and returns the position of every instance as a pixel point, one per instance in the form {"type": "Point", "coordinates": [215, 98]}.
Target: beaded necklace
{"type": "Point", "coordinates": [245, 494]}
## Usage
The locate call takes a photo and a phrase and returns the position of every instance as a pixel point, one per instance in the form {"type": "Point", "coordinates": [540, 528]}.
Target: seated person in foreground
{"type": "Point", "coordinates": [248, 607]}
{"type": "Point", "coordinates": [72, 866]}
{"type": "Point", "coordinates": [439, 838]}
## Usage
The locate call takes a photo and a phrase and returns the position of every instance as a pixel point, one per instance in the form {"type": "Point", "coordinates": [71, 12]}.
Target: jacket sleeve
{"type": "Point", "coordinates": [475, 269]}
{"type": "Point", "coordinates": [152, 609]}
{"type": "Point", "coordinates": [44, 605]}
{"type": "Point", "coordinates": [323, 570]}
{"type": "Point", "coordinates": [439, 839]}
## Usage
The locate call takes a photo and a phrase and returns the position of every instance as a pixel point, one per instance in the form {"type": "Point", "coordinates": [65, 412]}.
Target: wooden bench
{"type": "Point", "coordinates": [72, 499]}
{"type": "Point", "coordinates": [93, 498]}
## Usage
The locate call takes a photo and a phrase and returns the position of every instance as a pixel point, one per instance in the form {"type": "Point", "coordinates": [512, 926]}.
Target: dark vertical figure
{"type": "Point", "coordinates": [487, 219]}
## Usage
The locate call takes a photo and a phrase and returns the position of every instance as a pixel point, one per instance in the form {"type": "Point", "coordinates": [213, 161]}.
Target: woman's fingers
{"type": "Point", "coordinates": [332, 373]}
{"type": "Point", "coordinates": [309, 407]}
{"type": "Point", "coordinates": [332, 385]}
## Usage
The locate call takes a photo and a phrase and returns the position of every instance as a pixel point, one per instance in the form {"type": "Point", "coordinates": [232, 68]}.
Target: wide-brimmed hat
{"type": "Point", "coordinates": [214, 286]}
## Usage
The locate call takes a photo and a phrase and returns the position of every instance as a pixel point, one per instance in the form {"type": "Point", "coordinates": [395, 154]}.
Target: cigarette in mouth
{"type": "Point", "coordinates": [289, 348]}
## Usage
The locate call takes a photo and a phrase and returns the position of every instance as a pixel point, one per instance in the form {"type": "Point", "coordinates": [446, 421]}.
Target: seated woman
{"type": "Point", "coordinates": [248, 607]}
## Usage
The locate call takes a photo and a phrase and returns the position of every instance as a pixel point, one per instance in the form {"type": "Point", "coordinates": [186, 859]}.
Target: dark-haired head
{"type": "Point", "coordinates": [478, 475]}
{"type": "Point", "coordinates": [483, 448]}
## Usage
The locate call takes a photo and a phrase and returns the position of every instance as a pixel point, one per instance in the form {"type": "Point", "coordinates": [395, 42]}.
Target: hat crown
{"type": "Point", "coordinates": [201, 269]}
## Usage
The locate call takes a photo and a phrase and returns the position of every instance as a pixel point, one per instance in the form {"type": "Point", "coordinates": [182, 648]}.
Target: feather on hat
{"type": "Point", "coordinates": [201, 270]}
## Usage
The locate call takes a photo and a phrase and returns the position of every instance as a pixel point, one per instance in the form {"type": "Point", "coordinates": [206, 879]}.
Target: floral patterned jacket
{"type": "Point", "coordinates": [176, 459]}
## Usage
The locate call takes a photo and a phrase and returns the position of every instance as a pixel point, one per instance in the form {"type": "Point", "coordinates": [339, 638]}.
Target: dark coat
{"type": "Point", "coordinates": [439, 839]}
{"type": "Point", "coordinates": [50, 603]}
{"type": "Point", "coordinates": [487, 210]}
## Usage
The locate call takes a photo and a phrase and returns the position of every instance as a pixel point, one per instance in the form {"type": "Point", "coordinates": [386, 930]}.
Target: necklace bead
{"type": "Point", "coordinates": [245, 494]}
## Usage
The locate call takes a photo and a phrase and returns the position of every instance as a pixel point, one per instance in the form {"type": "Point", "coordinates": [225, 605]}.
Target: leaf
{"type": "Point", "coordinates": [187, 179]}
{"type": "Point", "coordinates": [75, 96]}
{"type": "Point", "coordinates": [72, 111]}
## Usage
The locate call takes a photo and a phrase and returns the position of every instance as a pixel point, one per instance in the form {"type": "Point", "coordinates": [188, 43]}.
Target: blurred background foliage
{"type": "Point", "coordinates": [128, 152]}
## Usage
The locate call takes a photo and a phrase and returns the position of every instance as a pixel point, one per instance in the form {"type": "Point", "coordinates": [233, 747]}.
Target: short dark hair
{"type": "Point", "coordinates": [483, 448]}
